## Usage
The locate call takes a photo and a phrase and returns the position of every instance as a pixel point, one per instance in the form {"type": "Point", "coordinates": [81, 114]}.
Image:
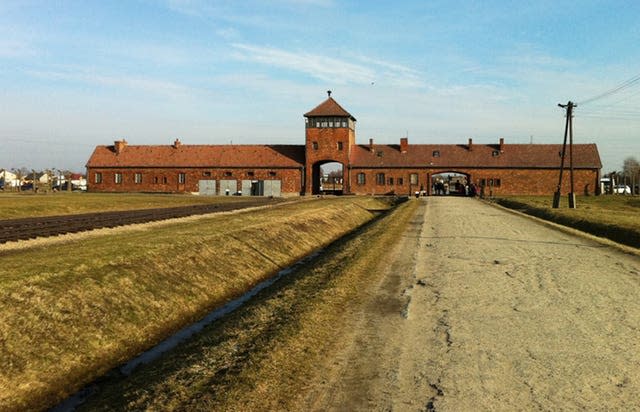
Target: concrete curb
{"type": "Point", "coordinates": [569, 230]}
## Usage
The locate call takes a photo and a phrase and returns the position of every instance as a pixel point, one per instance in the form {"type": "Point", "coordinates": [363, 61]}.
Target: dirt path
{"type": "Point", "coordinates": [482, 309]}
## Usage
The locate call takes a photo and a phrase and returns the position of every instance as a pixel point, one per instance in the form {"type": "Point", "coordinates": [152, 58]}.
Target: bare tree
{"type": "Point", "coordinates": [631, 166]}
{"type": "Point", "coordinates": [631, 171]}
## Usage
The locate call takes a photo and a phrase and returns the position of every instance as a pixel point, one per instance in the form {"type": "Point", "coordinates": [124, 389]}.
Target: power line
{"type": "Point", "coordinates": [622, 86]}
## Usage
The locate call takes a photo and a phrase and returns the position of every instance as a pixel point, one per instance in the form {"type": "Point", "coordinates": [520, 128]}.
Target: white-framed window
{"type": "Point", "coordinates": [182, 178]}
{"type": "Point", "coordinates": [137, 178]}
{"type": "Point", "coordinates": [98, 177]}
{"type": "Point", "coordinates": [117, 178]}
{"type": "Point", "coordinates": [413, 179]}
{"type": "Point", "coordinates": [361, 179]}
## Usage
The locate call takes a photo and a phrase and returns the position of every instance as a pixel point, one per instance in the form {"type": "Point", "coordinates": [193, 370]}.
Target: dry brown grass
{"type": "Point", "coordinates": [261, 356]}
{"type": "Point", "coordinates": [71, 312]}
{"type": "Point", "coordinates": [614, 217]}
{"type": "Point", "coordinates": [20, 205]}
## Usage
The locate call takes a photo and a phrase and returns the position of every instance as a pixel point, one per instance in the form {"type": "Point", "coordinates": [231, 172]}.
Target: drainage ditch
{"type": "Point", "coordinates": [189, 331]}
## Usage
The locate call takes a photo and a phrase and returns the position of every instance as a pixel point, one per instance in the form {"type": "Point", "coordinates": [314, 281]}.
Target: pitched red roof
{"type": "Point", "coordinates": [199, 156]}
{"type": "Point", "coordinates": [329, 108]}
{"type": "Point", "coordinates": [452, 156]}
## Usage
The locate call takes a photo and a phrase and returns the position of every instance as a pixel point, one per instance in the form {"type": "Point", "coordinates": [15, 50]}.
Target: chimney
{"type": "Point", "coordinates": [502, 144]}
{"type": "Point", "coordinates": [119, 145]}
{"type": "Point", "coordinates": [177, 143]}
{"type": "Point", "coordinates": [371, 144]}
{"type": "Point", "coordinates": [470, 146]}
{"type": "Point", "coordinates": [404, 144]}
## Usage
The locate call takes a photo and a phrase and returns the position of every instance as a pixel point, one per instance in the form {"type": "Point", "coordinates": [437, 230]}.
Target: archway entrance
{"type": "Point", "coordinates": [328, 178]}
{"type": "Point", "coordinates": [451, 183]}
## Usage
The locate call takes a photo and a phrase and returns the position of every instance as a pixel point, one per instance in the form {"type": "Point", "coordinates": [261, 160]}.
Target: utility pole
{"type": "Point", "coordinates": [568, 130]}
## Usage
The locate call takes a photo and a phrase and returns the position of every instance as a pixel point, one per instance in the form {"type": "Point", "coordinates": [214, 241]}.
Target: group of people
{"type": "Point", "coordinates": [441, 188]}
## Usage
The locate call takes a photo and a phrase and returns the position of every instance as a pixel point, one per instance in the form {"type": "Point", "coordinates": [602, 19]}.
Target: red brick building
{"type": "Point", "coordinates": [330, 137]}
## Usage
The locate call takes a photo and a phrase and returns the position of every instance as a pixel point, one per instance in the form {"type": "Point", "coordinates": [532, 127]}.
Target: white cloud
{"type": "Point", "coordinates": [330, 69]}
{"type": "Point", "coordinates": [320, 67]}
{"type": "Point", "coordinates": [15, 48]}
{"type": "Point", "coordinates": [131, 82]}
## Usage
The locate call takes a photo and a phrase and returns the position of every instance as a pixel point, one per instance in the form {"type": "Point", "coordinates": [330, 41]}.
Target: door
{"type": "Point", "coordinates": [272, 188]}
{"type": "Point", "coordinates": [246, 188]}
{"type": "Point", "coordinates": [207, 187]}
{"type": "Point", "coordinates": [228, 187]}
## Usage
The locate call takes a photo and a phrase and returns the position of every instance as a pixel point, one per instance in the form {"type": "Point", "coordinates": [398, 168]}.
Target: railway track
{"type": "Point", "coordinates": [31, 228]}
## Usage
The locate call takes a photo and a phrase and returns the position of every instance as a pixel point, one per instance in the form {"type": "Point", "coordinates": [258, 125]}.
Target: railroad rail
{"type": "Point", "coordinates": [31, 228]}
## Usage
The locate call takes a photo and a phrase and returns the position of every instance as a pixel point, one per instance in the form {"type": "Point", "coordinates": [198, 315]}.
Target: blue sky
{"type": "Point", "coordinates": [76, 74]}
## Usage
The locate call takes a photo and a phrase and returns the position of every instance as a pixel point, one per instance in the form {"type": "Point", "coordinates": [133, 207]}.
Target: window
{"type": "Point", "coordinates": [344, 124]}
{"type": "Point", "coordinates": [272, 173]}
{"type": "Point", "coordinates": [400, 181]}
{"type": "Point", "coordinates": [137, 178]}
{"type": "Point", "coordinates": [155, 179]}
{"type": "Point", "coordinates": [181, 178]}
{"type": "Point", "coordinates": [117, 178]}
{"type": "Point", "coordinates": [491, 182]}
{"type": "Point", "coordinates": [164, 179]}
{"type": "Point", "coordinates": [379, 153]}
{"type": "Point", "coordinates": [380, 178]}
{"type": "Point", "coordinates": [208, 174]}
{"type": "Point", "coordinates": [436, 153]}
{"type": "Point", "coordinates": [413, 179]}
{"type": "Point", "coordinates": [483, 182]}
{"type": "Point", "coordinates": [330, 124]}
{"type": "Point", "coordinates": [227, 174]}
{"type": "Point", "coordinates": [496, 182]}
{"type": "Point", "coordinates": [314, 145]}
{"type": "Point", "coordinates": [98, 178]}
{"type": "Point", "coordinates": [361, 179]}
{"type": "Point", "coordinates": [323, 124]}
{"type": "Point", "coordinates": [250, 174]}
{"type": "Point", "coordinates": [390, 181]}
{"type": "Point", "coordinates": [495, 153]}
{"type": "Point", "coordinates": [339, 145]}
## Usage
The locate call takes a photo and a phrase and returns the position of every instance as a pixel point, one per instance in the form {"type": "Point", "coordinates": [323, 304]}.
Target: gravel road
{"type": "Point", "coordinates": [482, 309]}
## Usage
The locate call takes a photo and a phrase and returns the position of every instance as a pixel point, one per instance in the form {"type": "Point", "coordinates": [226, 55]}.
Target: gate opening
{"type": "Point", "coordinates": [451, 184]}
{"type": "Point", "coordinates": [328, 178]}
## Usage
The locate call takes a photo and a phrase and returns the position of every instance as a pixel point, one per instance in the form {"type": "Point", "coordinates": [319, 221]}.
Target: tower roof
{"type": "Point", "coordinates": [329, 108]}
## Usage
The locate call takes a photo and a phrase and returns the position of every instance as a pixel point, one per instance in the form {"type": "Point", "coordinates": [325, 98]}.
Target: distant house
{"type": "Point", "coordinates": [8, 179]}
{"type": "Point", "coordinates": [43, 178]}
{"type": "Point", "coordinates": [78, 181]}
{"type": "Point", "coordinates": [330, 137]}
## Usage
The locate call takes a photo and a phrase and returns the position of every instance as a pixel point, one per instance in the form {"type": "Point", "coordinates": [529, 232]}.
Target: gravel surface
{"type": "Point", "coordinates": [482, 309]}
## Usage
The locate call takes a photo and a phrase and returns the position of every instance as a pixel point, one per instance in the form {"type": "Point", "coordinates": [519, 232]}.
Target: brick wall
{"type": "Point", "coordinates": [166, 180]}
{"type": "Point", "coordinates": [396, 181]}
{"type": "Point", "coordinates": [327, 140]}
{"type": "Point", "coordinates": [505, 181]}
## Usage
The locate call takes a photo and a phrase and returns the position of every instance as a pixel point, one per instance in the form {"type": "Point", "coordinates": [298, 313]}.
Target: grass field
{"type": "Point", "coordinates": [610, 216]}
{"type": "Point", "coordinates": [283, 335]}
{"type": "Point", "coordinates": [72, 311]}
{"type": "Point", "coordinates": [19, 205]}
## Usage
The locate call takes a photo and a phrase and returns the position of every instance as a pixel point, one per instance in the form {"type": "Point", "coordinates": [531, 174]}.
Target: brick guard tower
{"type": "Point", "coordinates": [329, 137]}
